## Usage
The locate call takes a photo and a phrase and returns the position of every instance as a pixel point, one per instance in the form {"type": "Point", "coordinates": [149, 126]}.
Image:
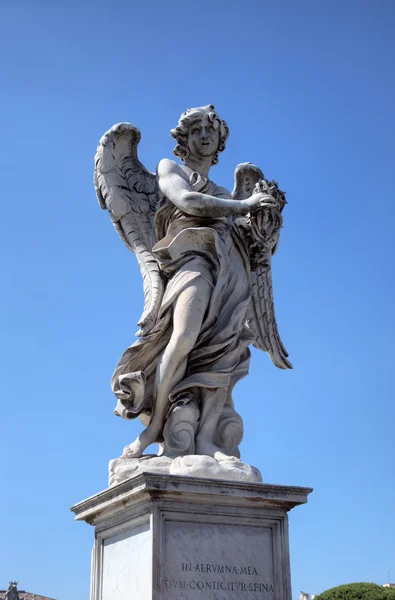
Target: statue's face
{"type": "Point", "coordinates": [203, 137]}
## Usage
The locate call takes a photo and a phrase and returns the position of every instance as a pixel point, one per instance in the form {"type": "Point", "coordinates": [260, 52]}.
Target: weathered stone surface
{"type": "Point", "coordinates": [163, 537]}
{"type": "Point", "coordinates": [219, 467]}
{"type": "Point", "coordinates": [126, 562]}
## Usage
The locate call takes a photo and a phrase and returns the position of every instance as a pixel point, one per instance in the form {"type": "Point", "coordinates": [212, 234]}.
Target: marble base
{"type": "Point", "coordinates": [168, 537]}
{"type": "Point", "coordinates": [220, 467]}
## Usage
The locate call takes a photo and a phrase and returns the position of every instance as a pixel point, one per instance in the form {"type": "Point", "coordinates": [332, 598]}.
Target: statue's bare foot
{"type": "Point", "coordinates": [136, 448]}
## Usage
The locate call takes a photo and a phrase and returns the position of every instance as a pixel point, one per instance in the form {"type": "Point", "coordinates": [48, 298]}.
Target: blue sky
{"type": "Point", "coordinates": [308, 91]}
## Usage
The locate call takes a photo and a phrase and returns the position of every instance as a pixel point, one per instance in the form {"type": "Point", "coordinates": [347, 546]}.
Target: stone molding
{"type": "Point", "coordinates": [147, 486]}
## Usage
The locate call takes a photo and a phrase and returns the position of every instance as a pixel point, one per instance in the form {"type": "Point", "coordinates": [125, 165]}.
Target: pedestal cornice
{"type": "Point", "coordinates": [149, 486]}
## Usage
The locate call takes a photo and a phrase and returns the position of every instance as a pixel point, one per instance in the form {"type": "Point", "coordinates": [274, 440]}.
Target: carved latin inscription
{"type": "Point", "coordinates": [215, 568]}
{"type": "Point", "coordinates": [207, 561]}
{"type": "Point", "coordinates": [206, 584]}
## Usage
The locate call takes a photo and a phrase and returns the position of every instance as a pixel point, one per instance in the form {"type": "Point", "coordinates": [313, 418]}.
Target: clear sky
{"type": "Point", "coordinates": [307, 88]}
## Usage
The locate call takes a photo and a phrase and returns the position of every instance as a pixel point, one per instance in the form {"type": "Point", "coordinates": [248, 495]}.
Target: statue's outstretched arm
{"type": "Point", "coordinates": [180, 193]}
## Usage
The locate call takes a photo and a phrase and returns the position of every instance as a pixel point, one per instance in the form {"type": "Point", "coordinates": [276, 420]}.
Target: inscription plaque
{"type": "Point", "coordinates": [217, 562]}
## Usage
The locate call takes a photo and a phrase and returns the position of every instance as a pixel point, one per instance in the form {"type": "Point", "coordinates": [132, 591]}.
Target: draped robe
{"type": "Point", "coordinates": [190, 247]}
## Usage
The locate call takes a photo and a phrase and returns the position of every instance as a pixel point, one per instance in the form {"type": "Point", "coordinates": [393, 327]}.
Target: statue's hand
{"type": "Point", "coordinates": [259, 200]}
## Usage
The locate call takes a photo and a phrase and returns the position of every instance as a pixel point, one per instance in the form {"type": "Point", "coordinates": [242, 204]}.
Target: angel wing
{"type": "Point", "coordinates": [130, 194]}
{"type": "Point", "coordinates": [263, 231]}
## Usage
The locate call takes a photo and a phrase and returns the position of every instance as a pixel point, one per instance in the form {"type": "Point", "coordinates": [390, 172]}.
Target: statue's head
{"type": "Point", "coordinates": [13, 585]}
{"type": "Point", "coordinates": [200, 132]}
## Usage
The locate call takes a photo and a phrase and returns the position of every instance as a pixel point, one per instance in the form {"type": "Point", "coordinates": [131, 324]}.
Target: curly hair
{"type": "Point", "coordinates": [180, 133]}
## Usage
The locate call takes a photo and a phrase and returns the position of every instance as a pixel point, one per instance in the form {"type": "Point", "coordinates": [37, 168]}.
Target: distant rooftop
{"type": "Point", "coordinates": [14, 594]}
{"type": "Point", "coordinates": [25, 595]}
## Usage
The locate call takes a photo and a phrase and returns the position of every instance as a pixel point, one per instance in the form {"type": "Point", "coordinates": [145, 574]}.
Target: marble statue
{"type": "Point", "coordinates": [205, 258]}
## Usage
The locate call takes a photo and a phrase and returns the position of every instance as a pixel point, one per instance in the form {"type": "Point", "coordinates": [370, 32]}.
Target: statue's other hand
{"type": "Point", "coordinates": [259, 200]}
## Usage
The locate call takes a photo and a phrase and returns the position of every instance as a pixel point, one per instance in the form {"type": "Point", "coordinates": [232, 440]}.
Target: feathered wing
{"type": "Point", "coordinates": [130, 194]}
{"type": "Point", "coordinates": [262, 319]}
{"type": "Point", "coordinates": [263, 231]}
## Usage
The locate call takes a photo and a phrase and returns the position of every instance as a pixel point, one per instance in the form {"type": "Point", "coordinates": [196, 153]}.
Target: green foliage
{"type": "Point", "coordinates": [358, 591]}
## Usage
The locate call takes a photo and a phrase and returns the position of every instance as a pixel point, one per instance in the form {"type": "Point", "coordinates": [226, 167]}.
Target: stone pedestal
{"type": "Point", "coordinates": [167, 537]}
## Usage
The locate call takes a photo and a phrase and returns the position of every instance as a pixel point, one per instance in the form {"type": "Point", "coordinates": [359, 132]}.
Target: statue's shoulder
{"type": "Point", "coordinates": [167, 166]}
{"type": "Point", "coordinates": [166, 163]}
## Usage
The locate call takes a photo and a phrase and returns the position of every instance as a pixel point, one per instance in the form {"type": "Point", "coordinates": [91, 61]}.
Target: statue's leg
{"type": "Point", "coordinates": [188, 314]}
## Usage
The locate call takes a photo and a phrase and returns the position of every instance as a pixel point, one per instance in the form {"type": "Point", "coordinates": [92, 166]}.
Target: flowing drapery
{"type": "Point", "coordinates": [190, 247]}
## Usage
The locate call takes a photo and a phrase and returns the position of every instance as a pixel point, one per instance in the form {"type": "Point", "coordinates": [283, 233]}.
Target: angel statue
{"type": "Point", "coordinates": [205, 258]}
